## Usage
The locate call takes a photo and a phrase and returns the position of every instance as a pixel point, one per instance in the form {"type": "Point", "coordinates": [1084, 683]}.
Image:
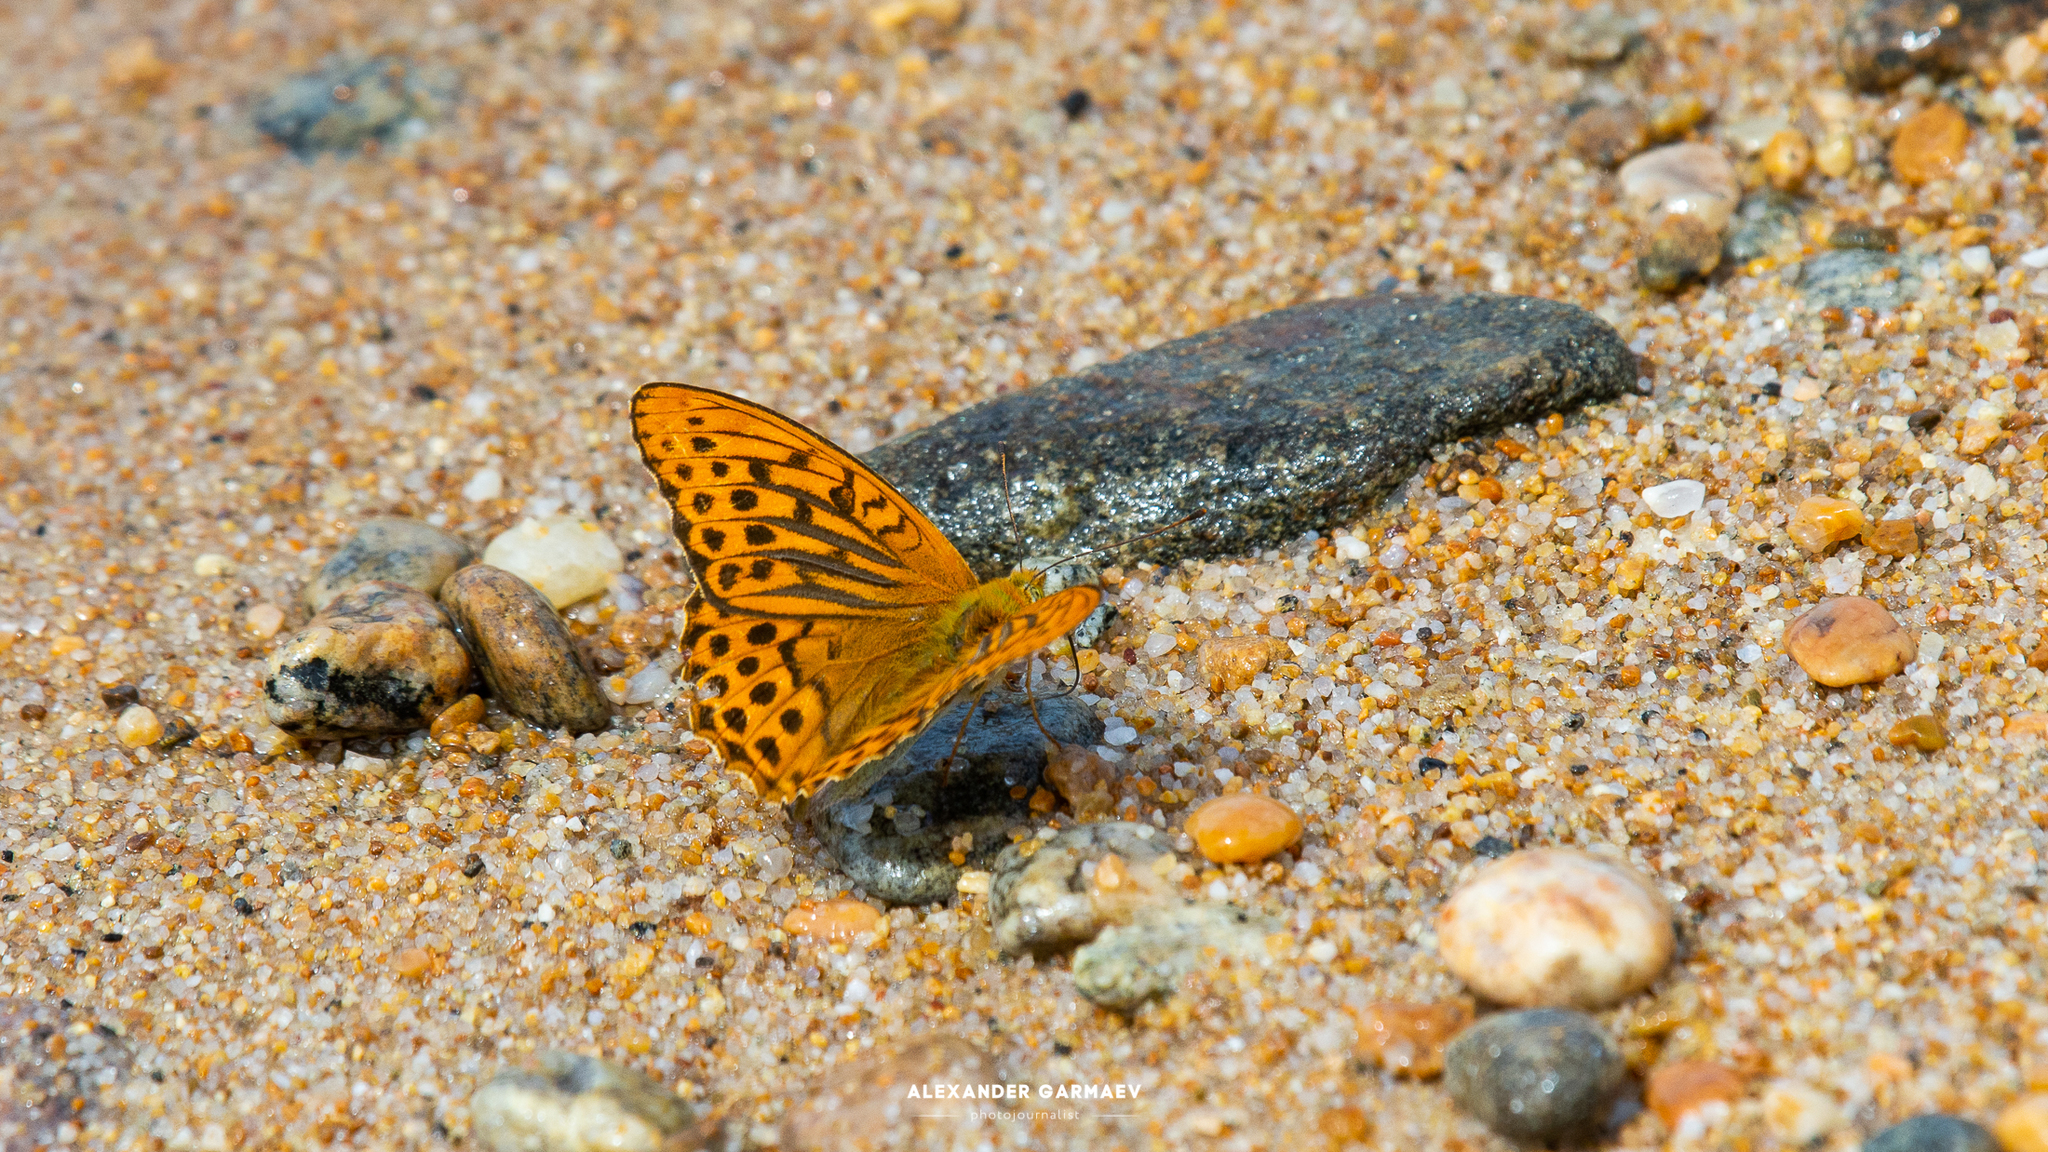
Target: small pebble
{"type": "Point", "coordinates": [1409, 1039]}
{"type": "Point", "coordinates": [120, 695]}
{"type": "Point", "coordinates": [1689, 1085]}
{"type": "Point", "coordinates": [411, 963]}
{"type": "Point", "coordinates": [1554, 926]}
{"type": "Point", "coordinates": [567, 558]}
{"type": "Point", "coordinates": [263, 621]}
{"type": "Point", "coordinates": [1682, 180]}
{"type": "Point", "coordinates": [1674, 116]}
{"type": "Point", "coordinates": [1800, 1114]}
{"type": "Point", "coordinates": [1820, 522]}
{"type": "Point", "coordinates": [381, 658]}
{"type": "Point", "coordinates": [1243, 827]}
{"type": "Point", "coordinates": [1899, 537]}
{"type": "Point", "coordinates": [2026, 724]}
{"type": "Point", "coordinates": [1345, 1124]}
{"type": "Point", "coordinates": [1084, 779]}
{"type": "Point", "coordinates": [1786, 158]}
{"type": "Point", "coordinates": [1922, 732]}
{"type": "Point", "coordinates": [1681, 249]}
{"type": "Point", "coordinates": [1546, 1074]}
{"type": "Point", "coordinates": [1933, 1133]}
{"type": "Point", "coordinates": [524, 650]}
{"type": "Point", "coordinates": [1850, 640]}
{"type": "Point", "coordinates": [346, 104]}
{"type": "Point", "coordinates": [1930, 144]}
{"type": "Point", "coordinates": [1607, 134]}
{"type": "Point", "coordinates": [1042, 904]}
{"type": "Point", "coordinates": [448, 726]}
{"type": "Point", "coordinates": [1676, 498]}
{"type": "Point", "coordinates": [1836, 156]}
{"type": "Point", "coordinates": [1129, 964]}
{"type": "Point", "coordinates": [1231, 662]}
{"type": "Point", "coordinates": [567, 1102]}
{"type": "Point", "coordinates": [138, 726]}
{"type": "Point", "coordinates": [1596, 37]}
{"type": "Point", "coordinates": [1864, 238]}
{"type": "Point", "coordinates": [2023, 1126]}
{"type": "Point", "coordinates": [394, 549]}
{"type": "Point", "coordinates": [843, 921]}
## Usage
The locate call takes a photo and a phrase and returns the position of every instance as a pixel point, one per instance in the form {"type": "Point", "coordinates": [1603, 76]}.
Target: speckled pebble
{"type": "Point", "coordinates": [1540, 1075]}
{"type": "Point", "coordinates": [1555, 926]}
{"type": "Point", "coordinates": [381, 658]}
{"type": "Point", "coordinates": [524, 650]}
{"type": "Point", "coordinates": [1042, 902]}
{"type": "Point", "coordinates": [1607, 134]}
{"type": "Point", "coordinates": [1933, 1133]}
{"type": "Point", "coordinates": [1681, 249]}
{"type": "Point", "coordinates": [1851, 279]}
{"type": "Point", "coordinates": [567, 558]}
{"type": "Point", "coordinates": [394, 549]}
{"type": "Point", "coordinates": [1129, 964]}
{"type": "Point", "coordinates": [1766, 224]}
{"type": "Point", "coordinates": [568, 1102]}
{"type": "Point", "coordinates": [1850, 640]}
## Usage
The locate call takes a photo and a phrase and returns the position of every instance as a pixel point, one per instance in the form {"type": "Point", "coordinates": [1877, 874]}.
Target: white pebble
{"type": "Point", "coordinates": [1159, 644]}
{"type": "Point", "coordinates": [1799, 1114]}
{"type": "Point", "coordinates": [2035, 258]}
{"type": "Point", "coordinates": [1976, 260]}
{"type": "Point", "coordinates": [1979, 482]}
{"type": "Point", "coordinates": [1351, 547]}
{"type": "Point", "coordinates": [1675, 499]}
{"type": "Point", "coordinates": [566, 558]}
{"type": "Point", "coordinates": [1806, 389]}
{"type": "Point", "coordinates": [648, 684]}
{"type": "Point", "coordinates": [487, 484]}
{"type": "Point", "coordinates": [1749, 653]}
{"type": "Point", "coordinates": [1683, 180]}
{"type": "Point", "coordinates": [212, 564]}
{"type": "Point", "coordinates": [1553, 927]}
{"type": "Point", "coordinates": [1322, 951]}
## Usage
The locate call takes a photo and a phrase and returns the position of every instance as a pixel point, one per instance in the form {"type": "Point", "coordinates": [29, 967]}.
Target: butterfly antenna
{"type": "Point", "coordinates": [1016, 536]}
{"type": "Point", "coordinates": [1197, 514]}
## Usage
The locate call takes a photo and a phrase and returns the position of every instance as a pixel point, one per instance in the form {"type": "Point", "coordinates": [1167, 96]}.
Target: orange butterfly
{"type": "Point", "coordinates": [831, 620]}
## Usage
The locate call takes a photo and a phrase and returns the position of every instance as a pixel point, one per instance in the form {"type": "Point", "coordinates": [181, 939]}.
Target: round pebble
{"type": "Point", "coordinates": [1933, 1133]}
{"type": "Point", "coordinates": [394, 549]}
{"type": "Point", "coordinates": [524, 650]}
{"type": "Point", "coordinates": [1674, 1090]}
{"type": "Point", "coordinates": [1930, 144]}
{"type": "Point", "coordinates": [1041, 902]}
{"type": "Point", "coordinates": [1900, 537]}
{"type": "Point", "coordinates": [1231, 662]}
{"type": "Point", "coordinates": [1681, 249]}
{"type": "Point", "coordinates": [1800, 1113]}
{"type": "Point", "coordinates": [1538, 1075]}
{"type": "Point", "coordinates": [1129, 964]}
{"type": "Point", "coordinates": [1243, 827]}
{"type": "Point", "coordinates": [137, 726]}
{"type": "Point", "coordinates": [381, 658]}
{"type": "Point", "coordinates": [1554, 926]}
{"type": "Point", "coordinates": [567, 558]}
{"type": "Point", "coordinates": [1850, 640]}
{"type": "Point", "coordinates": [1676, 498]}
{"type": "Point", "coordinates": [2023, 1126]}
{"type": "Point", "coordinates": [1836, 155]}
{"type": "Point", "coordinates": [1607, 134]}
{"type": "Point", "coordinates": [412, 963]}
{"type": "Point", "coordinates": [1820, 522]}
{"type": "Point", "coordinates": [263, 621]}
{"type": "Point", "coordinates": [1682, 180]}
{"type": "Point", "coordinates": [568, 1102]}
{"type": "Point", "coordinates": [1786, 157]}
{"type": "Point", "coordinates": [842, 921]}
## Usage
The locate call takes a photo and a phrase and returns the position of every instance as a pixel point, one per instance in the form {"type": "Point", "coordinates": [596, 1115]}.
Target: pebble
{"type": "Point", "coordinates": [1409, 1039]}
{"type": "Point", "coordinates": [1129, 964]}
{"type": "Point", "coordinates": [843, 921]}
{"type": "Point", "coordinates": [1675, 498]}
{"type": "Point", "coordinates": [1674, 1090]}
{"type": "Point", "coordinates": [381, 658]}
{"type": "Point", "coordinates": [1231, 662]}
{"type": "Point", "coordinates": [567, 558]}
{"type": "Point", "coordinates": [1546, 1074]}
{"type": "Point", "coordinates": [524, 650]}
{"type": "Point", "coordinates": [1554, 926]}
{"type": "Point", "coordinates": [394, 549]}
{"type": "Point", "coordinates": [1821, 522]}
{"type": "Point", "coordinates": [1786, 157]}
{"type": "Point", "coordinates": [263, 621]}
{"type": "Point", "coordinates": [908, 858]}
{"type": "Point", "coordinates": [1853, 279]}
{"type": "Point", "coordinates": [1922, 732]}
{"type": "Point", "coordinates": [1084, 780]}
{"type": "Point", "coordinates": [1766, 224]}
{"type": "Point", "coordinates": [1899, 537]}
{"type": "Point", "coordinates": [1604, 135]}
{"type": "Point", "coordinates": [344, 105]}
{"type": "Point", "coordinates": [2023, 1126]}
{"type": "Point", "coordinates": [1930, 144]}
{"type": "Point", "coordinates": [1836, 156]}
{"type": "Point", "coordinates": [1596, 37]}
{"type": "Point", "coordinates": [1886, 42]}
{"type": "Point", "coordinates": [1674, 116]}
{"type": "Point", "coordinates": [1693, 180]}
{"type": "Point", "coordinates": [1933, 1133]}
{"type": "Point", "coordinates": [1800, 1113]}
{"type": "Point", "coordinates": [566, 1102]}
{"type": "Point", "coordinates": [1681, 249]}
{"type": "Point", "coordinates": [137, 726]}
{"type": "Point", "coordinates": [1105, 456]}
{"type": "Point", "coordinates": [858, 1102]}
{"type": "Point", "coordinates": [1041, 902]}
{"type": "Point", "coordinates": [1243, 827]}
{"type": "Point", "coordinates": [1850, 640]}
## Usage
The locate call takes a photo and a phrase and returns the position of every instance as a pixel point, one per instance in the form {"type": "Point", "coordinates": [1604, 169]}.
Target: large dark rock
{"type": "Point", "coordinates": [1296, 421]}
{"type": "Point", "coordinates": [1887, 41]}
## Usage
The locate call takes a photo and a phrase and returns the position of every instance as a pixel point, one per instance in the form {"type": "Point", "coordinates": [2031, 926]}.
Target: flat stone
{"type": "Point", "coordinates": [381, 658]}
{"type": "Point", "coordinates": [1853, 278]}
{"type": "Point", "coordinates": [1693, 180]}
{"type": "Point", "coordinates": [906, 859]}
{"type": "Point", "coordinates": [1296, 421]}
{"type": "Point", "coordinates": [565, 1102]}
{"type": "Point", "coordinates": [1546, 1074]}
{"type": "Point", "coordinates": [1147, 958]}
{"type": "Point", "coordinates": [1043, 903]}
{"type": "Point", "coordinates": [1933, 1133]}
{"type": "Point", "coordinates": [1888, 41]}
{"type": "Point", "coordinates": [394, 549]}
{"type": "Point", "coordinates": [347, 104]}
{"type": "Point", "coordinates": [524, 650]}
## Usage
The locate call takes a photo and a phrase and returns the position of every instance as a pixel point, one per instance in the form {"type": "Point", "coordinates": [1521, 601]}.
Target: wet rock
{"type": "Point", "coordinates": [1546, 1074]}
{"type": "Point", "coordinates": [1853, 279]}
{"type": "Point", "coordinates": [1290, 422]}
{"type": "Point", "coordinates": [57, 1068]}
{"type": "Point", "coordinates": [524, 650]}
{"type": "Point", "coordinates": [571, 1103]}
{"type": "Point", "coordinates": [1933, 1133]}
{"type": "Point", "coordinates": [893, 823]}
{"type": "Point", "coordinates": [1129, 964]}
{"type": "Point", "coordinates": [1850, 640]}
{"type": "Point", "coordinates": [1045, 902]}
{"type": "Point", "coordinates": [1553, 926]}
{"type": "Point", "coordinates": [381, 658]}
{"type": "Point", "coordinates": [1604, 135]}
{"type": "Point", "coordinates": [394, 549]}
{"type": "Point", "coordinates": [1887, 41]}
{"type": "Point", "coordinates": [867, 1103]}
{"type": "Point", "coordinates": [346, 105]}
{"type": "Point", "coordinates": [1767, 224]}
{"type": "Point", "coordinates": [567, 558]}
{"type": "Point", "coordinates": [1821, 522]}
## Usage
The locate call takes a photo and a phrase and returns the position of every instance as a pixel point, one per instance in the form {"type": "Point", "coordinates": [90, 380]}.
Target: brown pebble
{"type": "Point", "coordinates": [412, 963]}
{"type": "Point", "coordinates": [1409, 1039]}
{"type": "Point", "coordinates": [841, 921]}
{"type": "Point", "coordinates": [1243, 827]}
{"type": "Point", "coordinates": [1674, 117]}
{"type": "Point", "coordinates": [524, 650]}
{"type": "Point", "coordinates": [1230, 662]}
{"type": "Point", "coordinates": [1922, 732]}
{"type": "Point", "coordinates": [1787, 156]}
{"type": "Point", "coordinates": [1345, 1124]}
{"type": "Point", "coordinates": [1930, 144]}
{"type": "Point", "coordinates": [1900, 537]}
{"type": "Point", "coordinates": [119, 696]}
{"type": "Point", "coordinates": [1820, 522]}
{"type": "Point", "coordinates": [1676, 1089]}
{"type": "Point", "coordinates": [380, 659]}
{"type": "Point", "coordinates": [1607, 134]}
{"type": "Point", "coordinates": [1682, 248]}
{"type": "Point", "coordinates": [1849, 640]}
{"type": "Point", "coordinates": [1084, 779]}
{"type": "Point", "coordinates": [467, 710]}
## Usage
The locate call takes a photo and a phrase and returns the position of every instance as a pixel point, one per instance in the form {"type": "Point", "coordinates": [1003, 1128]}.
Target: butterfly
{"type": "Point", "coordinates": [831, 620]}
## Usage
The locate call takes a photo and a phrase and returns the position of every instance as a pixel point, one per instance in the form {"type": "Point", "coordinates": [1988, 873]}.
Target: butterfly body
{"type": "Point", "coordinates": [831, 620]}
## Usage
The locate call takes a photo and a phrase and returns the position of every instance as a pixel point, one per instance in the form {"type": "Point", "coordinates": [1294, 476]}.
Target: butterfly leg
{"type": "Point", "coordinates": [946, 765]}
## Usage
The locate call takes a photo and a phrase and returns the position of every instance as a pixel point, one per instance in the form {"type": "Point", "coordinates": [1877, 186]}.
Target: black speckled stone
{"type": "Point", "coordinates": [1853, 278]}
{"type": "Point", "coordinates": [1296, 421]}
{"type": "Point", "coordinates": [1541, 1075]}
{"type": "Point", "coordinates": [905, 859]}
{"type": "Point", "coordinates": [1934, 1133]}
{"type": "Point", "coordinates": [1887, 41]}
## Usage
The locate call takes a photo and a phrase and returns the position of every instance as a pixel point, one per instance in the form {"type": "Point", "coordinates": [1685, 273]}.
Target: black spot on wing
{"type": "Point", "coordinates": [702, 444]}
{"type": "Point", "coordinates": [760, 535]}
{"type": "Point", "coordinates": [763, 693]}
{"type": "Point", "coordinates": [769, 752]}
{"type": "Point", "coordinates": [761, 634]}
{"type": "Point", "coordinates": [735, 719]}
{"type": "Point", "coordinates": [745, 499]}
{"type": "Point", "coordinates": [713, 539]}
{"type": "Point", "coordinates": [792, 720]}
{"type": "Point", "coordinates": [728, 575]}
{"type": "Point", "coordinates": [748, 665]}
{"type": "Point", "coordinates": [702, 502]}
{"type": "Point", "coordinates": [719, 468]}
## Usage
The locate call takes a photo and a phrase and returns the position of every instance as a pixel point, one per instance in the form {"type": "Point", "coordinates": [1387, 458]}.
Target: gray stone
{"type": "Point", "coordinates": [390, 548]}
{"type": "Point", "coordinates": [1040, 903]}
{"type": "Point", "coordinates": [1540, 1075]}
{"type": "Point", "coordinates": [1932, 1133]}
{"type": "Point", "coordinates": [1887, 41]}
{"type": "Point", "coordinates": [381, 658]}
{"type": "Point", "coordinates": [345, 105]}
{"type": "Point", "coordinates": [1766, 224]}
{"type": "Point", "coordinates": [1597, 37]}
{"type": "Point", "coordinates": [1147, 958]}
{"type": "Point", "coordinates": [1853, 278]}
{"type": "Point", "coordinates": [1296, 421]}
{"type": "Point", "coordinates": [571, 1103]}
{"type": "Point", "coordinates": [892, 823]}
{"type": "Point", "coordinates": [524, 651]}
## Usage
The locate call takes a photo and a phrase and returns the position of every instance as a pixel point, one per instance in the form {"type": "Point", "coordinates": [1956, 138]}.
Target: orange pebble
{"type": "Point", "coordinates": [1409, 1039]}
{"type": "Point", "coordinates": [2023, 1126]}
{"type": "Point", "coordinates": [1930, 144]}
{"type": "Point", "coordinates": [832, 921]}
{"type": "Point", "coordinates": [1235, 829]}
{"type": "Point", "coordinates": [412, 962]}
{"type": "Point", "coordinates": [1676, 1089]}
